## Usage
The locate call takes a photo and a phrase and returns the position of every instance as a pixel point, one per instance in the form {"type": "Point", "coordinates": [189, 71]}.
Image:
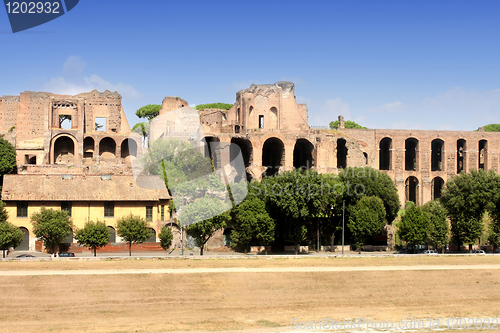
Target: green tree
{"type": "Point", "coordinates": [366, 218]}
{"type": "Point", "coordinates": [366, 181]}
{"type": "Point", "coordinates": [347, 124]}
{"type": "Point", "coordinates": [148, 111]}
{"type": "Point", "coordinates": [51, 226]}
{"type": "Point", "coordinates": [223, 106]}
{"type": "Point", "coordinates": [466, 197]}
{"type": "Point", "coordinates": [439, 230]}
{"type": "Point", "coordinates": [133, 229]}
{"type": "Point", "coordinates": [10, 236]}
{"type": "Point", "coordinates": [93, 235]}
{"type": "Point", "coordinates": [251, 222]}
{"type": "Point", "coordinates": [165, 237]}
{"type": "Point", "coordinates": [7, 159]}
{"type": "Point", "coordinates": [212, 216]}
{"type": "Point", "coordinates": [414, 226]}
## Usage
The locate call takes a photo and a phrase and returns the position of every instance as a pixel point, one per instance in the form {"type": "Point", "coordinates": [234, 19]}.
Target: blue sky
{"type": "Point", "coordinates": [384, 64]}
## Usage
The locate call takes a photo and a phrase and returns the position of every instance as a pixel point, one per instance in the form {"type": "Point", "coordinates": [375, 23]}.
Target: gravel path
{"type": "Point", "coordinates": [246, 270]}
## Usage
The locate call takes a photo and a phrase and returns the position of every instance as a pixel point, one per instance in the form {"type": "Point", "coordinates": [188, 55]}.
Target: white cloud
{"type": "Point", "coordinates": [389, 107]}
{"type": "Point", "coordinates": [73, 82]}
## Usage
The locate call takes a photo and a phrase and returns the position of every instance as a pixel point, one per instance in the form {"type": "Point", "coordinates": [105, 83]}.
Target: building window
{"type": "Point", "coordinates": [66, 206]}
{"type": "Point", "coordinates": [149, 213]}
{"type": "Point", "coordinates": [261, 121]}
{"type": "Point", "coordinates": [163, 212]}
{"type": "Point", "coordinates": [22, 209]}
{"type": "Point", "coordinates": [109, 209]}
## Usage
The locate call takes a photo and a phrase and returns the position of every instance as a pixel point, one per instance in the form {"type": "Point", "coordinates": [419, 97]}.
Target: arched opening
{"type": "Point", "coordinates": [112, 234]}
{"type": "Point", "coordinates": [152, 238]}
{"type": "Point", "coordinates": [226, 237]}
{"type": "Point", "coordinates": [385, 154]}
{"type": "Point", "coordinates": [411, 154]}
{"type": "Point", "coordinates": [365, 155]}
{"type": "Point", "coordinates": [437, 186]}
{"type": "Point", "coordinates": [303, 154]}
{"type": "Point", "coordinates": [461, 155]}
{"type": "Point", "coordinates": [243, 147]}
{"type": "Point", "coordinates": [273, 156]}
{"type": "Point", "coordinates": [483, 154]}
{"type": "Point", "coordinates": [107, 148]}
{"type": "Point", "coordinates": [88, 148]}
{"type": "Point", "coordinates": [437, 154]}
{"type": "Point", "coordinates": [411, 189]}
{"type": "Point", "coordinates": [212, 150]}
{"type": "Point", "coordinates": [129, 148]}
{"type": "Point", "coordinates": [64, 150]}
{"type": "Point", "coordinates": [25, 243]}
{"type": "Point", "coordinates": [273, 115]}
{"type": "Point", "coordinates": [341, 154]}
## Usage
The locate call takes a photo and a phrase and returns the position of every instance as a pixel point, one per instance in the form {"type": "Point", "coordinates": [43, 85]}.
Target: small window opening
{"type": "Point", "coordinates": [261, 121]}
{"type": "Point", "coordinates": [100, 124]}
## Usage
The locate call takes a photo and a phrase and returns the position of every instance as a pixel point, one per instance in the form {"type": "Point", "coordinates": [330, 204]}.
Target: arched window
{"type": "Point", "coordinates": [385, 154]}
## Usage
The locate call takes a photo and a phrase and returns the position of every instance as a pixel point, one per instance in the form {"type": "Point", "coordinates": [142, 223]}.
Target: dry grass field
{"type": "Point", "coordinates": [249, 302]}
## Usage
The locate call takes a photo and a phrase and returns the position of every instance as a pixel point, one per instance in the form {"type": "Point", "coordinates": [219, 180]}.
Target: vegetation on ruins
{"type": "Point", "coordinates": [492, 128]}
{"type": "Point", "coordinates": [51, 226]}
{"type": "Point", "coordinates": [212, 216]}
{"type": "Point", "coordinates": [133, 229]}
{"type": "Point", "coordinates": [10, 235]}
{"type": "Point", "coordinates": [466, 198]}
{"type": "Point", "coordinates": [93, 235]}
{"type": "Point", "coordinates": [251, 222]}
{"type": "Point", "coordinates": [223, 106]}
{"type": "Point", "coordinates": [347, 124]}
{"type": "Point", "coordinates": [148, 111]}
{"type": "Point", "coordinates": [165, 237]}
{"type": "Point", "coordinates": [366, 219]}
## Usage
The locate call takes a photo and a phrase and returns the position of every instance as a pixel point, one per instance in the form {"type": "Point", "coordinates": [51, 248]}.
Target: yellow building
{"type": "Point", "coordinates": [85, 197]}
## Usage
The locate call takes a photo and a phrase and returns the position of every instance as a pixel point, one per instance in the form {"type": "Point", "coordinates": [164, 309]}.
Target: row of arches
{"type": "Point", "coordinates": [63, 147]}
{"type": "Point", "coordinates": [412, 187]}
{"type": "Point", "coordinates": [412, 151]}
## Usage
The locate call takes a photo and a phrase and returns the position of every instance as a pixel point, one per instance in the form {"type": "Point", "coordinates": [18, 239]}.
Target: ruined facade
{"type": "Point", "coordinates": [273, 134]}
{"type": "Point", "coordinates": [74, 153]}
{"type": "Point", "coordinates": [66, 143]}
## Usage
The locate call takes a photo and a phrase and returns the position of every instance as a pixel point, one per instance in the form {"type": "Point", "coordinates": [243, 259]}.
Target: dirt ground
{"type": "Point", "coordinates": [249, 302]}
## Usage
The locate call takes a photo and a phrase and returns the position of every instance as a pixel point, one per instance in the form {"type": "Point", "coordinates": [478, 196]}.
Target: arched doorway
{"type": "Point", "coordinates": [107, 148]}
{"type": "Point", "coordinates": [226, 237]}
{"type": "Point", "coordinates": [152, 238]}
{"type": "Point", "coordinates": [212, 150]}
{"type": "Point", "coordinates": [461, 155]}
{"type": "Point", "coordinates": [243, 147]}
{"type": "Point", "coordinates": [483, 154]}
{"type": "Point", "coordinates": [341, 154]}
{"type": "Point", "coordinates": [411, 154]}
{"type": "Point", "coordinates": [385, 154]}
{"type": "Point", "coordinates": [88, 147]}
{"type": "Point", "coordinates": [64, 150]}
{"type": "Point", "coordinates": [436, 187]}
{"type": "Point", "coordinates": [273, 156]}
{"type": "Point", "coordinates": [437, 146]}
{"type": "Point", "coordinates": [411, 189]}
{"type": "Point", "coordinates": [129, 148]}
{"type": "Point", "coordinates": [112, 234]}
{"type": "Point", "coordinates": [303, 154]}
{"type": "Point", "coordinates": [25, 243]}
